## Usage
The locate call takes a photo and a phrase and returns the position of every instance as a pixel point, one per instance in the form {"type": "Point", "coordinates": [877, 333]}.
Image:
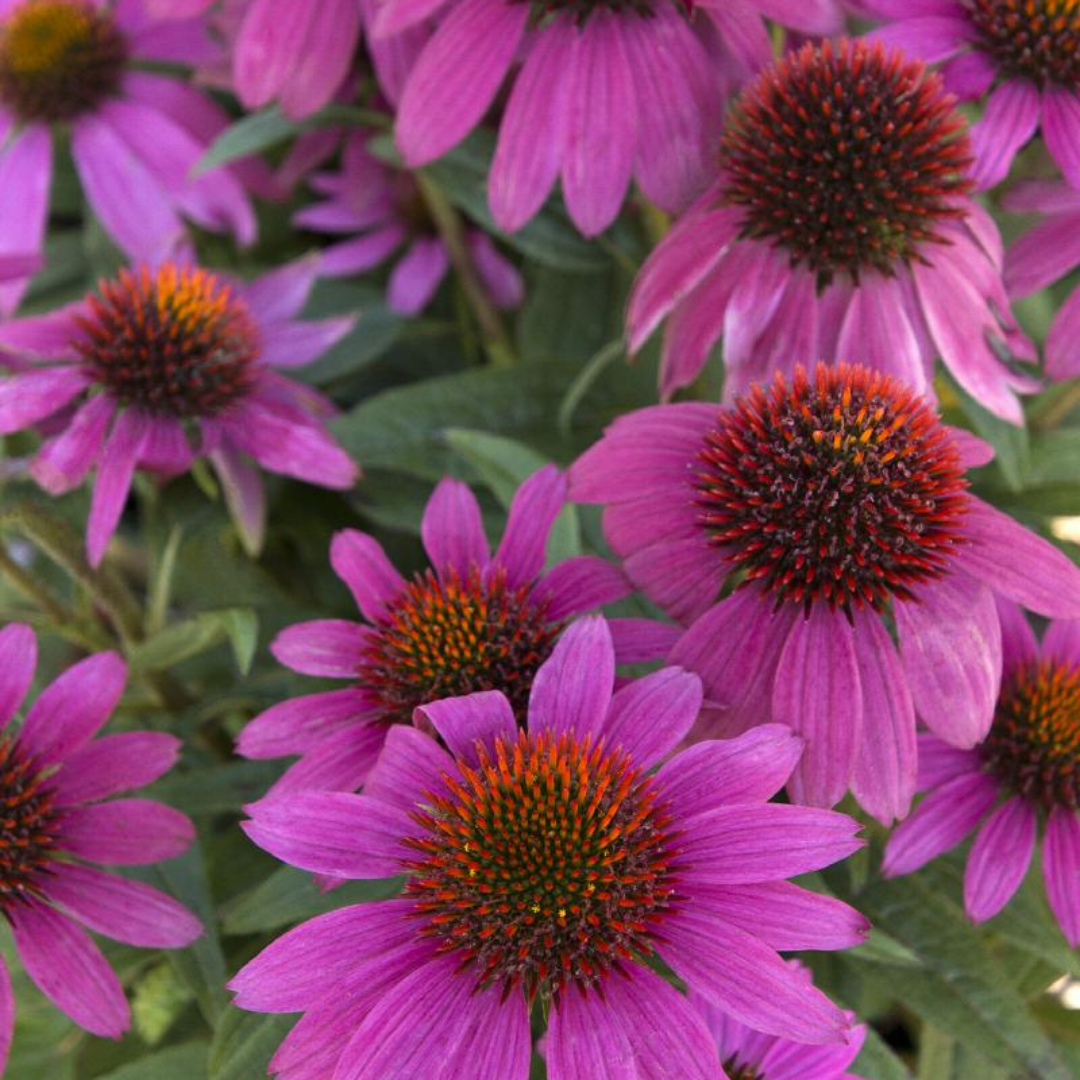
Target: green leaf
{"type": "Point", "coordinates": [289, 895]}
{"type": "Point", "coordinates": [878, 1061]}
{"type": "Point", "coordinates": [244, 1043]}
{"type": "Point", "coordinates": [943, 1058]}
{"type": "Point", "coordinates": [251, 134]}
{"type": "Point", "coordinates": [1012, 449]}
{"type": "Point", "coordinates": [185, 1062]}
{"type": "Point", "coordinates": [158, 999]}
{"type": "Point", "coordinates": [183, 640]}
{"type": "Point", "coordinates": [216, 789]}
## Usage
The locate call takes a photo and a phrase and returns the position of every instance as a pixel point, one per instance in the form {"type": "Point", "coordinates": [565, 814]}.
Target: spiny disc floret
{"type": "Point", "coordinates": [1034, 743]}
{"type": "Point", "coordinates": [847, 157]}
{"type": "Point", "coordinates": [27, 826]}
{"type": "Point", "coordinates": [176, 342]}
{"type": "Point", "coordinates": [734, 1071]}
{"type": "Point", "coordinates": [1037, 40]}
{"type": "Point", "coordinates": [843, 489]}
{"type": "Point", "coordinates": [549, 863]}
{"type": "Point", "coordinates": [452, 635]}
{"type": "Point", "coordinates": [59, 59]}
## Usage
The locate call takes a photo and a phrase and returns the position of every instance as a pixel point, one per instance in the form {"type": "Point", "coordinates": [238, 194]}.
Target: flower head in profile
{"type": "Point", "coordinates": [1022, 779]}
{"type": "Point", "coordinates": [475, 620]}
{"type": "Point", "coordinates": [605, 92]}
{"type": "Point", "coordinates": [55, 784]}
{"type": "Point", "coordinates": [135, 134]}
{"type": "Point", "coordinates": [386, 210]}
{"type": "Point", "coordinates": [839, 224]}
{"type": "Point", "coordinates": [1021, 56]}
{"type": "Point", "coordinates": [1043, 254]}
{"type": "Point", "coordinates": [160, 366]}
{"type": "Point", "coordinates": [837, 504]}
{"type": "Point", "coordinates": [544, 866]}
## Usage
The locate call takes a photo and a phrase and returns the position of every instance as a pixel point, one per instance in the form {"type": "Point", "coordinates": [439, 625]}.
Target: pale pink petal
{"type": "Point", "coordinates": [245, 494]}
{"type": "Point", "coordinates": [26, 168]}
{"type": "Point", "coordinates": [27, 397]}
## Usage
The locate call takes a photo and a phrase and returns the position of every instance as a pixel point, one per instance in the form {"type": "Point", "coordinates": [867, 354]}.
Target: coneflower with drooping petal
{"type": "Point", "coordinates": [837, 503]}
{"type": "Point", "coordinates": [135, 134]}
{"type": "Point", "coordinates": [1022, 56]}
{"type": "Point", "coordinates": [56, 780]}
{"type": "Point", "coordinates": [385, 207]}
{"type": "Point", "coordinates": [606, 91]}
{"type": "Point", "coordinates": [473, 621]}
{"type": "Point", "coordinates": [163, 365]}
{"type": "Point", "coordinates": [1023, 779]}
{"type": "Point", "coordinates": [838, 225]}
{"type": "Point", "coordinates": [544, 867]}
{"type": "Point", "coordinates": [1042, 255]}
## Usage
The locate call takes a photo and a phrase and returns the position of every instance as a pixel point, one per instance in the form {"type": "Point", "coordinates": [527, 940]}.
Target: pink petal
{"type": "Point", "coordinates": [18, 660]}
{"type": "Point", "coordinates": [115, 470]}
{"type": "Point", "coordinates": [1061, 870]}
{"type": "Point", "coordinates": [999, 859]}
{"type": "Point", "coordinates": [532, 514]}
{"type": "Point", "coordinates": [27, 397]}
{"type": "Point", "coordinates": [297, 725]}
{"type": "Point", "coordinates": [463, 722]}
{"type": "Point", "coordinates": [417, 275]}
{"type": "Point", "coordinates": [360, 561]}
{"type": "Point", "coordinates": [1008, 122]}
{"type": "Point", "coordinates": [245, 495]}
{"type": "Point", "coordinates": [452, 530]}
{"type": "Point", "coordinates": [1061, 131]}
{"type": "Point", "coordinates": [651, 716]}
{"type": "Point", "coordinates": [26, 169]}
{"type": "Point", "coordinates": [7, 1015]}
{"type": "Point", "coordinates": [113, 764]}
{"type": "Point", "coordinates": [126, 832]}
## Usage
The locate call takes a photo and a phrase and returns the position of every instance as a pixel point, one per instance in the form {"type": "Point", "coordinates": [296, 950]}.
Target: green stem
{"type": "Point", "coordinates": [497, 343]}
{"type": "Point", "coordinates": [1051, 414]}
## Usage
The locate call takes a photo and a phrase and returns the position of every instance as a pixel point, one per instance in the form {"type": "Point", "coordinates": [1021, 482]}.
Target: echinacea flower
{"type": "Point", "coordinates": [54, 780]}
{"type": "Point", "coordinates": [162, 365]}
{"type": "Point", "coordinates": [474, 621]}
{"type": "Point", "coordinates": [838, 225]}
{"type": "Point", "coordinates": [544, 867]}
{"type": "Point", "coordinates": [1023, 779]}
{"type": "Point", "coordinates": [838, 506]}
{"type": "Point", "coordinates": [385, 207]}
{"type": "Point", "coordinates": [135, 135]}
{"type": "Point", "coordinates": [749, 1055]}
{"type": "Point", "coordinates": [604, 92]}
{"type": "Point", "coordinates": [1042, 255]}
{"type": "Point", "coordinates": [1022, 55]}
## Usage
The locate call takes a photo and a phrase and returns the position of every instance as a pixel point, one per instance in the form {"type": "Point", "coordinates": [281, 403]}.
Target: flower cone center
{"type": "Point", "coordinates": [1034, 744]}
{"type": "Point", "coordinates": [546, 864]}
{"type": "Point", "coordinates": [59, 59]}
{"type": "Point", "coordinates": [27, 825]}
{"type": "Point", "coordinates": [176, 342]}
{"type": "Point", "coordinates": [1032, 39]}
{"type": "Point", "coordinates": [445, 638]}
{"type": "Point", "coordinates": [847, 157]}
{"type": "Point", "coordinates": [735, 1071]}
{"type": "Point", "coordinates": [843, 489]}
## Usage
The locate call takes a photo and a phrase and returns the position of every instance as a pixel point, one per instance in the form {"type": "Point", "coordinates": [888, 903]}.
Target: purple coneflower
{"type": "Point", "coordinates": [750, 1055]}
{"type": "Point", "coordinates": [474, 621]}
{"type": "Point", "coordinates": [1042, 255]}
{"type": "Point", "coordinates": [839, 505]}
{"type": "Point", "coordinates": [545, 866]}
{"type": "Point", "coordinates": [384, 205]}
{"type": "Point", "coordinates": [54, 777]}
{"type": "Point", "coordinates": [604, 92]}
{"type": "Point", "coordinates": [135, 135]}
{"type": "Point", "coordinates": [1023, 54]}
{"type": "Point", "coordinates": [162, 365]}
{"type": "Point", "coordinates": [1023, 779]}
{"type": "Point", "coordinates": [839, 225]}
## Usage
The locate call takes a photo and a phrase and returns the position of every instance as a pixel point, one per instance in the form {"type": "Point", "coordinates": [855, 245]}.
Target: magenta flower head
{"type": "Point", "coordinates": [751, 1055]}
{"type": "Point", "coordinates": [163, 365]}
{"type": "Point", "coordinates": [544, 866]}
{"type": "Point", "coordinates": [604, 93]}
{"type": "Point", "coordinates": [1024, 54]}
{"type": "Point", "coordinates": [54, 777]}
{"type": "Point", "coordinates": [474, 621]}
{"type": "Point", "coordinates": [1042, 255]}
{"type": "Point", "coordinates": [838, 505]}
{"type": "Point", "coordinates": [135, 135]}
{"type": "Point", "coordinates": [384, 207]}
{"type": "Point", "coordinates": [1024, 778]}
{"type": "Point", "coordinates": [839, 225]}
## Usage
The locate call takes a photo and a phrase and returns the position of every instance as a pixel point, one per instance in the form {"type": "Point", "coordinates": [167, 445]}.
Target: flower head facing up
{"type": "Point", "coordinates": [546, 864]}
{"type": "Point", "coordinates": [554, 862]}
{"type": "Point", "coordinates": [56, 783]}
{"type": "Point", "coordinates": [844, 488]}
{"type": "Point", "coordinates": [1037, 40]}
{"type": "Point", "coordinates": [162, 366]}
{"type": "Point", "coordinates": [839, 224]}
{"type": "Point", "coordinates": [846, 158]}
{"type": "Point", "coordinates": [1023, 779]}
{"type": "Point", "coordinates": [795, 534]}
{"type": "Point", "coordinates": [59, 59]}
{"type": "Point", "coordinates": [445, 638]}
{"type": "Point", "coordinates": [474, 621]}
{"type": "Point", "coordinates": [174, 342]}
